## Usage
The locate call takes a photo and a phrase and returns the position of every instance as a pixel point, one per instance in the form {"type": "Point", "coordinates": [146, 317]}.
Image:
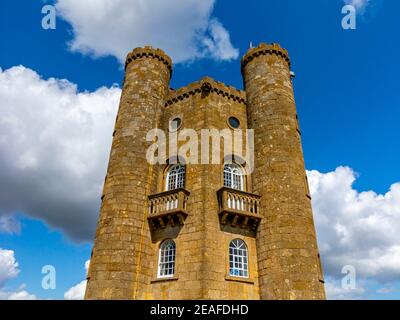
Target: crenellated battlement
{"type": "Point", "coordinates": [149, 52]}
{"type": "Point", "coordinates": [263, 49]}
{"type": "Point", "coordinates": [208, 85]}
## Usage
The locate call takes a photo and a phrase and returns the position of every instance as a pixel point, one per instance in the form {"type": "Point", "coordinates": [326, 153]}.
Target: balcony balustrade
{"type": "Point", "coordinates": [167, 208]}
{"type": "Point", "coordinates": [239, 209]}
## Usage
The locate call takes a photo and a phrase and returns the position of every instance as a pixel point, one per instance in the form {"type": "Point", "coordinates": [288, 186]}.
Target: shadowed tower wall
{"type": "Point", "coordinates": [288, 259]}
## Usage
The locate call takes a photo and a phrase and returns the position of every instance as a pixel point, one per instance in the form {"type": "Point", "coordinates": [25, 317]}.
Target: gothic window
{"type": "Point", "coordinates": [238, 259]}
{"type": "Point", "coordinates": [175, 177]}
{"type": "Point", "coordinates": [233, 176]}
{"type": "Point", "coordinates": [166, 259]}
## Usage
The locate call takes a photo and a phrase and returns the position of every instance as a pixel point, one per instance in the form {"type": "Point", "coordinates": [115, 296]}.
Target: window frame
{"type": "Point", "coordinates": [160, 264]}
{"type": "Point", "coordinates": [177, 185]}
{"type": "Point", "coordinates": [234, 119]}
{"type": "Point", "coordinates": [232, 176]}
{"type": "Point", "coordinates": [242, 260]}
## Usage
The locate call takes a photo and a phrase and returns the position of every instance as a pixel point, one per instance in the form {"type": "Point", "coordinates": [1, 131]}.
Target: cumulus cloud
{"type": "Point", "coordinates": [335, 291]}
{"type": "Point", "coordinates": [185, 29]}
{"type": "Point", "coordinates": [356, 228]}
{"type": "Point", "coordinates": [8, 266]}
{"type": "Point", "coordinates": [77, 292]}
{"type": "Point", "coordinates": [54, 146]}
{"type": "Point", "coordinates": [17, 295]}
{"type": "Point", "coordinates": [8, 270]}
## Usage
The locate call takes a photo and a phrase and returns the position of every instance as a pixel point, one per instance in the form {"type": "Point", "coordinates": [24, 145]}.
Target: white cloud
{"type": "Point", "coordinates": [77, 292]}
{"type": "Point", "coordinates": [8, 270]}
{"type": "Point", "coordinates": [9, 224]}
{"type": "Point", "coordinates": [385, 290]}
{"type": "Point", "coordinates": [335, 291]}
{"type": "Point", "coordinates": [358, 4]}
{"type": "Point", "coordinates": [8, 266]}
{"type": "Point", "coordinates": [185, 29]}
{"type": "Point", "coordinates": [219, 44]}
{"type": "Point", "coordinates": [17, 295]}
{"type": "Point", "coordinates": [87, 264]}
{"type": "Point", "coordinates": [356, 228]}
{"type": "Point", "coordinates": [54, 147]}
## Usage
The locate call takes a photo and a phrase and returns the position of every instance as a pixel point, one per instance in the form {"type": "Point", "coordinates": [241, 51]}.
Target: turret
{"type": "Point", "coordinates": [122, 239]}
{"type": "Point", "coordinates": [287, 253]}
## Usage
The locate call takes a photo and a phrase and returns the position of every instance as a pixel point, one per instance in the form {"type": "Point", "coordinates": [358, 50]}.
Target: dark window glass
{"type": "Point", "coordinates": [234, 122]}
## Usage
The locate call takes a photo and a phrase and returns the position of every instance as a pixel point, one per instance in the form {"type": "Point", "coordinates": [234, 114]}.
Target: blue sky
{"type": "Point", "coordinates": [346, 89]}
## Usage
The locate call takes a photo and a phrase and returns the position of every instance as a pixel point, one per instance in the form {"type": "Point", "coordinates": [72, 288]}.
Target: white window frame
{"type": "Point", "coordinates": [178, 172]}
{"type": "Point", "coordinates": [164, 260]}
{"type": "Point", "coordinates": [232, 174]}
{"type": "Point", "coordinates": [238, 259]}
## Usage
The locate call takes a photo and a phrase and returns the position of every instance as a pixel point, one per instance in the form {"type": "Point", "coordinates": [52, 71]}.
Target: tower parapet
{"type": "Point", "coordinates": [149, 52]}
{"type": "Point", "coordinates": [264, 49]}
{"type": "Point", "coordinates": [209, 84]}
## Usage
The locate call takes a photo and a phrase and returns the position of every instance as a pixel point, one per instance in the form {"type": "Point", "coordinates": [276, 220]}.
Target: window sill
{"type": "Point", "coordinates": [164, 279]}
{"type": "Point", "coordinates": [239, 279]}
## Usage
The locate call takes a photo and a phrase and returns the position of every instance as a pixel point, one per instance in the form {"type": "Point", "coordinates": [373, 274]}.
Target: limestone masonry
{"type": "Point", "coordinates": [206, 231]}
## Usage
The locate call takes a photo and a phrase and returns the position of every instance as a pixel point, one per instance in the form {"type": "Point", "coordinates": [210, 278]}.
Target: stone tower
{"type": "Point", "coordinates": [288, 260]}
{"type": "Point", "coordinates": [190, 230]}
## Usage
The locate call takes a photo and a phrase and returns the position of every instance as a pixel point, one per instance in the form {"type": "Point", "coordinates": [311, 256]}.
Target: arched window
{"type": "Point", "coordinates": [238, 259]}
{"type": "Point", "coordinates": [166, 259]}
{"type": "Point", "coordinates": [175, 177]}
{"type": "Point", "coordinates": [233, 176]}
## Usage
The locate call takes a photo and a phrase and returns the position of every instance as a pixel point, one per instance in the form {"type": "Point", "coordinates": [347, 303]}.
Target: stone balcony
{"type": "Point", "coordinates": [167, 208]}
{"type": "Point", "coordinates": [239, 209]}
